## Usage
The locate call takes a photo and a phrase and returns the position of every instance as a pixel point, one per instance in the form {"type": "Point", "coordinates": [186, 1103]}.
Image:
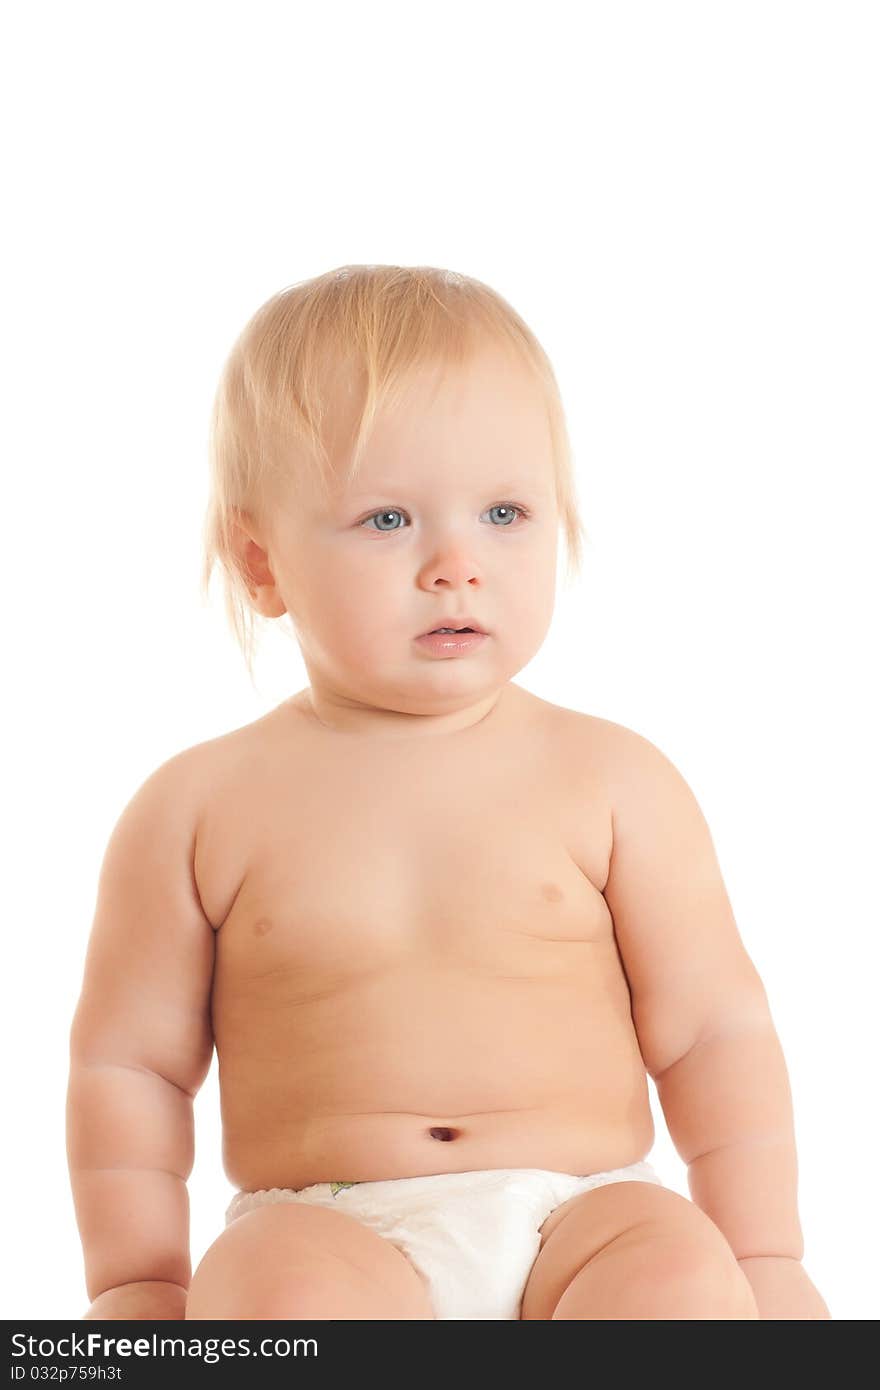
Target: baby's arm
{"type": "Point", "coordinates": [140, 1048]}
{"type": "Point", "coordinates": [703, 1021]}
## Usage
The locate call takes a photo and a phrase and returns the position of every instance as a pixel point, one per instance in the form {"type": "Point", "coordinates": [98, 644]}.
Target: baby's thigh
{"type": "Point", "coordinates": [642, 1243]}
{"type": "Point", "coordinates": [292, 1260]}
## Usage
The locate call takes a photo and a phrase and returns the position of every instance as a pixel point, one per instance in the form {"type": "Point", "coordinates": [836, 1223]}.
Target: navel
{"type": "Point", "coordinates": [441, 1132]}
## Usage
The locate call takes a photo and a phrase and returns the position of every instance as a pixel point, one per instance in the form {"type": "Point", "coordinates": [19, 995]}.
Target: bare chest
{"type": "Point", "coordinates": [411, 937]}
{"type": "Point", "coordinates": [340, 861]}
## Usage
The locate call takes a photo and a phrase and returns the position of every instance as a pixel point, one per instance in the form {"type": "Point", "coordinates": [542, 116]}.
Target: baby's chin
{"type": "Point", "coordinates": [429, 695]}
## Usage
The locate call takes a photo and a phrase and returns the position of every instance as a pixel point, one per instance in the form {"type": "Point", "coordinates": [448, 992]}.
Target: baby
{"type": "Point", "coordinates": [438, 929]}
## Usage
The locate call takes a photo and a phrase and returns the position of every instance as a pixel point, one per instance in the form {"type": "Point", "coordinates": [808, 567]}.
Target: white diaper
{"type": "Point", "coordinates": [473, 1236]}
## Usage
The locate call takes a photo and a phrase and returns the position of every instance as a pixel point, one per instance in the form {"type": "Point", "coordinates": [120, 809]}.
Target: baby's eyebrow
{"type": "Point", "coordinates": [400, 488]}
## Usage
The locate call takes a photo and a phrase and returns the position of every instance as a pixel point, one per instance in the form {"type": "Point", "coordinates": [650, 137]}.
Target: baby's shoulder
{"type": "Point", "coordinates": [604, 746]}
{"type": "Point", "coordinates": [588, 731]}
{"type": "Point", "coordinates": [196, 773]}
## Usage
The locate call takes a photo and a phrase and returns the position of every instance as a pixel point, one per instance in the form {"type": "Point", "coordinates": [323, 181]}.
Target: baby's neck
{"type": "Point", "coordinates": [339, 715]}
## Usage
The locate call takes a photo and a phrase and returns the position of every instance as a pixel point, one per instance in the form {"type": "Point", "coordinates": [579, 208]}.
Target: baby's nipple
{"type": "Point", "coordinates": [440, 1132]}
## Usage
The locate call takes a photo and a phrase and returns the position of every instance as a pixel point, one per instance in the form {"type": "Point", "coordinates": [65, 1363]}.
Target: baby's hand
{"type": "Point", "coordinates": [148, 1300]}
{"type": "Point", "coordinates": [783, 1290]}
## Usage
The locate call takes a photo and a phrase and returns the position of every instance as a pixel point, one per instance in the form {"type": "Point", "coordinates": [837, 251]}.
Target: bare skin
{"type": "Point", "coordinates": [449, 959]}
{"type": "Point", "coordinates": [431, 923]}
{"type": "Point", "coordinates": [400, 953]}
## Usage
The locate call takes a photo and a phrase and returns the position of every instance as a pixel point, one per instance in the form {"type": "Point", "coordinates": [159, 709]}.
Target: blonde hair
{"type": "Point", "coordinates": [275, 390]}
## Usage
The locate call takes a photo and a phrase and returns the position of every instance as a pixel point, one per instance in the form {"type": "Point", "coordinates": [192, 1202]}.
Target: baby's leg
{"type": "Point", "coordinates": [292, 1260]}
{"type": "Point", "coordinates": [635, 1250]}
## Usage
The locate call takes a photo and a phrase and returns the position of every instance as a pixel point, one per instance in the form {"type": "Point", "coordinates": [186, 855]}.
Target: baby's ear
{"type": "Point", "coordinates": [252, 559]}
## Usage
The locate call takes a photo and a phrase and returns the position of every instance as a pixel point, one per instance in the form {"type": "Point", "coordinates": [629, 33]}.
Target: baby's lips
{"type": "Point", "coordinates": [457, 624]}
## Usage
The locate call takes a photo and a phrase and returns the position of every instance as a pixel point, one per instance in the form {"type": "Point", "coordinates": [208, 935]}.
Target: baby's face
{"type": "Point", "coordinates": [453, 513]}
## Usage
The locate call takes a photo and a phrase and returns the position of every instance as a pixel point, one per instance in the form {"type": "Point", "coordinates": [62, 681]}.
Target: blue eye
{"type": "Point", "coordinates": [384, 517]}
{"type": "Point", "coordinates": [507, 508]}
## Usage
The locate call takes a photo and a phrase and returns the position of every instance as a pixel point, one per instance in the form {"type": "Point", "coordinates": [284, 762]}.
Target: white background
{"type": "Point", "coordinates": [682, 201]}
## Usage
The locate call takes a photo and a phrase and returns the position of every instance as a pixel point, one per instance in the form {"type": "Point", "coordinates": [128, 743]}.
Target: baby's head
{"type": "Point", "coordinates": [389, 455]}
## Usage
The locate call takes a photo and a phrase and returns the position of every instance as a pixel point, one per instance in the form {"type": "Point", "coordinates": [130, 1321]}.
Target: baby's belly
{"type": "Point", "coordinates": [415, 1073]}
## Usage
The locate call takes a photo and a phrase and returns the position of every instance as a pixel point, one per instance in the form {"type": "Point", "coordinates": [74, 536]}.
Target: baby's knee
{"type": "Point", "coordinates": [238, 1273]}
{"type": "Point", "coordinates": [702, 1275]}
{"type": "Point", "coordinates": [302, 1262]}
{"type": "Point", "coordinates": [222, 1290]}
